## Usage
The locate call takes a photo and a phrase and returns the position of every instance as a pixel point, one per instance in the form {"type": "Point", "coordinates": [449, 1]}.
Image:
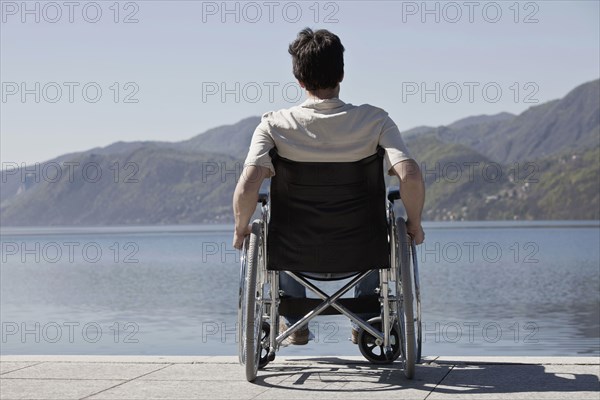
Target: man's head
{"type": "Point", "coordinates": [318, 59]}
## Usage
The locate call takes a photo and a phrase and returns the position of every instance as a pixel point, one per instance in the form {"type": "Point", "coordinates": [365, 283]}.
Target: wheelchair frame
{"type": "Point", "coordinates": [397, 332]}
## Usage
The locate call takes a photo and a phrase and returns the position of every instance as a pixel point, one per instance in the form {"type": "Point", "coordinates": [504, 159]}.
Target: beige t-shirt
{"type": "Point", "coordinates": [326, 131]}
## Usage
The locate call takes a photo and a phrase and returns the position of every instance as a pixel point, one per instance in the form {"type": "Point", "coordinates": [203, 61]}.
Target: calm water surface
{"type": "Point", "coordinates": [505, 288]}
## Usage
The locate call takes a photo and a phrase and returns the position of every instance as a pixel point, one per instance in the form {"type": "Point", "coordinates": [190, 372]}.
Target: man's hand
{"type": "Point", "coordinates": [240, 235]}
{"type": "Point", "coordinates": [415, 231]}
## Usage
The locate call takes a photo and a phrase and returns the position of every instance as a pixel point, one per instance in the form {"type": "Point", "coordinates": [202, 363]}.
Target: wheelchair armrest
{"type": "Point", "coordinates": [393, 193]}
{"type": "Point", "coordinates": [263, 197]}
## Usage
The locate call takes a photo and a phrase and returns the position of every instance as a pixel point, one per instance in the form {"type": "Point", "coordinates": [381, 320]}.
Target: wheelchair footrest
{"type": "Point", "coordinates": [298, 307]}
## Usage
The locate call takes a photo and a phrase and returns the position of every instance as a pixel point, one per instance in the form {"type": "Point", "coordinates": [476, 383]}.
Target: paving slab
{"type": "Point", "coordinates": [337, 379]}
{"type": "Point", "coordinates": [120, 359]}
{"type": "Point", "coordinates": [518, 360]}
{"type": "Point", "coordinates": [85, 370]}
{"type": "Point", "coordinates": [9, 366]}
{"type": "Point", "coordinates": [299, 377]}
{"type": "Point", "coordinates": [181, 390]}
{"type": "Point", "coordinates": [519, 381]}
{"type": "Point", "coordinates": [222, 373]}
{"type": "Point", "coordinates": [51, 389]}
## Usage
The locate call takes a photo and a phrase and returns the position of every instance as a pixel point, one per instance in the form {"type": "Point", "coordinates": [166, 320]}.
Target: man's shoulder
{"type": "Point", "coordinates": [268, 119]}
{"type": "Point", "coordinates": [275, 114]}
{"type": "Point", "coordinates": [371, 109]}
{"type": "Point", "coordinates": [287, 116]}
{"type": "Point", "coordinates": [277, 117]}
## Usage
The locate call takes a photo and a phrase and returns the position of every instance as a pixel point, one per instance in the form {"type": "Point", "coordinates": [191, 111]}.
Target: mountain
{"type": "Point", "coordinates": [232, 140]}
{"type": "Point", "coordinates": [572, 122]}
{"type": "Point", "coordinates": [450, 171]}
{"type": "Point", "coordinates": [465, 185]}
{"type": "Point", "coordinates": [228, 139]}
{"type": "Point", "coordinates": [416, 131]}
{"type": "Point", "coordinates": [481, 120]}
{"type": "Point", "coordinates": [541, 164]}
{"type": "Point", "coordinates": [145, 185]}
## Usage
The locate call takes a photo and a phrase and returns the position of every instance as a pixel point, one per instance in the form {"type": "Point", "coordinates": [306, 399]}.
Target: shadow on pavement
{"type": "Point", "coordinates": [335, 374]}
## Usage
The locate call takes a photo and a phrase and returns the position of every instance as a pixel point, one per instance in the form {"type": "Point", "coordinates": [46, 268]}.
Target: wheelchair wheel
{"type": "Point", "coordinates": [374, 352]}
{"type": "Point", "coordinates": [417, 292]}
{"type": "Point", "coordinates": [250, 305]}
{"type": "Point", "coordinates": [406, 305]}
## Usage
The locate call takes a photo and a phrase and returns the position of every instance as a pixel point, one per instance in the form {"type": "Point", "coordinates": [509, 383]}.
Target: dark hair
{"type": "Point", "coordinates": [318, 59]}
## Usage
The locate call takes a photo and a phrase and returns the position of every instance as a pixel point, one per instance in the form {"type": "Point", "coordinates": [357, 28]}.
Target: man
{"type": "Point", "coordinates": [324, 129]}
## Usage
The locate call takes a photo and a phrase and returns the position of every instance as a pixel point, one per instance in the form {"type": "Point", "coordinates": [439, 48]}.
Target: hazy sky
{"type": "Point", "coordinates": [70, 84]}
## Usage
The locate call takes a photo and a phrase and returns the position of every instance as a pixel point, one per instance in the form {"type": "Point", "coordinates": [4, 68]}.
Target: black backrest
{"type": "Point", "coordinates": [328, 216]}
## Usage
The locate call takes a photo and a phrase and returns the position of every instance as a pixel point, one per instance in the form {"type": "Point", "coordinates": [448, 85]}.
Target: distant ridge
{"type": "Point", "coordinates": [569, 123]}
{"type": "Point", "coordinates": [227, 139]}
{"type": "Point", "coordinates": [481, 119]}
{"type": "Point", "coordinates": [549, 160]}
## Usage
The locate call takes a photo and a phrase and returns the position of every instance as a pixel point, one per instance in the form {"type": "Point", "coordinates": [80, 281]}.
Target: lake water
{"type": "Point", "coordinates": [505, 288]}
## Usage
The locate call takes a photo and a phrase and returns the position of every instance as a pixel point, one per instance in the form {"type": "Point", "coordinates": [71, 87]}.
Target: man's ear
{"type": "Point", "coordinates": [342, 78]}
{"type": "Point", "coordinates": [301, 85]}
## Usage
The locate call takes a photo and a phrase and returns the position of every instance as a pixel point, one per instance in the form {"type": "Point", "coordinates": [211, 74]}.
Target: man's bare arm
{"type": "Point", "coordinates": [412, 193]}
{"type": "Point", "coordinates": [245, 198]}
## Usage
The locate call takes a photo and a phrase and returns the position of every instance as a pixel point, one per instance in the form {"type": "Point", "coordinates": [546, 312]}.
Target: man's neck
{"type": "Point", "coordinates": [324, 94]}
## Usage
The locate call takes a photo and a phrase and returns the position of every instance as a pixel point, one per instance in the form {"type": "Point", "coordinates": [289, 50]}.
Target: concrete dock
{"type": "Point", "coordinates": [158, 377]}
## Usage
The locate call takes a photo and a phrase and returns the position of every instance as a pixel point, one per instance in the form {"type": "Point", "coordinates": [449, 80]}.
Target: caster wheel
{"type": "Point", "coordinates": [264, 337]}
{"type": "Point", "coordinates": [372, 351]}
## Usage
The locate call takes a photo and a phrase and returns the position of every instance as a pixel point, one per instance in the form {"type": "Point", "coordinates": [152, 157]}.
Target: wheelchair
{"type": "Point", "coordinates": [325, 221]}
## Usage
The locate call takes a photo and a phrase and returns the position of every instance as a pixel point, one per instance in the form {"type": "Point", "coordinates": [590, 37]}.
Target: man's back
{"type": "Point", "coordinates": [326, 130]}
